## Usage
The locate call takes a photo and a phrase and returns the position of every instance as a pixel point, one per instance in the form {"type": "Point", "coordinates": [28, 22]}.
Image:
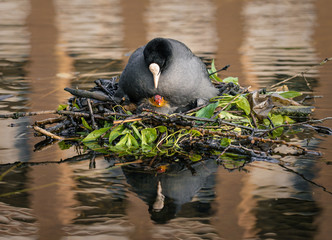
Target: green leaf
{"type": "Point", "coordinates": [213, 67]}
{"type": "Point", "coordinates": [195, 157]}
{"type": "Point", "coordinates": [161, 129]}
{"type": "Point", "coordinates": [225, 142]}
{"type": "Point", "coordinates": [117, 131]}
{"type": "Point", "coordinates": [136, 131]}
{"type": "Point", "coordinates": [95, 134]}
{"type": "Point", "coordinates": [195, 133]}
{"type": "Point", "coordinates": [126, 142]}
{"type": "Point", "coordinates": [107, 124]}
{"type": "Point", "coordinates": [212, 70]}
{"type": "Point", "coordinates": [85, 124]}
{"type": "Point", "coordinates": [207, 112]}
{"type": "Point", "coordinates": [277, 132]}
{"type": "Point", "coordinates": [62, 107]}
{"type": "Point", "coordinates": [277, 120]}
{"type": "Point", "coordinates": [243, 104]}
{"type": "Point", "coordinates": [288, 120]}
{"type": "Point", "coordinates": [149, 135]}
{"type": "Point", "coordinates": [228, 116]}
{"type": "Point", "coordinates": [129, 113]}
{"type": "Point", "coordinates": [123, 141]}
{"type": "Point", "coordinates": [76, 106]}
{"type": "Point", "coordinates": [290, 94]}
{"type": "Point", "coordinates": [95, 147]}
{"type": "Point", "coordinates": [234, 80]}
{"type": "Point", "coordinates": [63, 145]}
{"type": "Point", "coordinates": [131, 142]}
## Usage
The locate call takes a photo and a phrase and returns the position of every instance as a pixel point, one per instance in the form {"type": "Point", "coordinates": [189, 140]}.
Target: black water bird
{"type": "Point", "coordinates": [165, 68]}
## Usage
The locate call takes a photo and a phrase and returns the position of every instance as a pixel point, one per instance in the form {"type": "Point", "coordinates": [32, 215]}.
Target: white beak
{"type": "Point", "coordinates": [155, 70]}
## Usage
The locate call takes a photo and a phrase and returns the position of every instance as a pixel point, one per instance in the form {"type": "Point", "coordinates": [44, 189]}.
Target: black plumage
{"type": "Point", "coordinates": [168, 68]}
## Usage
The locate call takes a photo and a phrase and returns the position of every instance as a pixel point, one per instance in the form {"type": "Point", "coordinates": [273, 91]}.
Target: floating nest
{"type": "Point", "coordinates": [236, 127]}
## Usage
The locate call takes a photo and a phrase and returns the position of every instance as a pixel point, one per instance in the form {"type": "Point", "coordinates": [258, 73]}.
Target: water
{"type": "Point", "coordinates": [48, 45]}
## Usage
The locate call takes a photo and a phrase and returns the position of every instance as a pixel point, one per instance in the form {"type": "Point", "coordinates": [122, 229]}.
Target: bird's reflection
{"type": "Point", "coordinates": [166, 194]}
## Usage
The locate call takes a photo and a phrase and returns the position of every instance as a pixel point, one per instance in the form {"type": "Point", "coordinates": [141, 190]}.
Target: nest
{"type": "Point", "coordinates": [237, 125]}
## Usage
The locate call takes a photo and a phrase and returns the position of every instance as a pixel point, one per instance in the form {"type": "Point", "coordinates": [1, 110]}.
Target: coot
{"type": "Point", "coordinates": [166, 68]}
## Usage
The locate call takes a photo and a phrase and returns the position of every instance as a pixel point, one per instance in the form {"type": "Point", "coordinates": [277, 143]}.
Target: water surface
{"type": "Point", "coordinates": [48, 45]}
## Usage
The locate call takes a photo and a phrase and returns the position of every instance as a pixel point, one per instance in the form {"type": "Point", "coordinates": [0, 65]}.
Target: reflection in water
{"type": "Point", "coordinates": [110, 203]}
{"type": "Point", "coordinates": [191, 22]}
{"type": "Point", "coordinates": [17, 221]}
{"type": "Point", "coordinates": [178, 186]}
{"type": "Point", "coordinates": [90, 29]}
{"type": "Point", "coordinates": [278, 41]}
{"type": "Point", "coordinates": [277, 44]}
{"type": "Point", "coordinates": [91, 33]}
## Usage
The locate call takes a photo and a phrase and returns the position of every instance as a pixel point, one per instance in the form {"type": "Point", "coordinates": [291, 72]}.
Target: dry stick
{"type": "Point", "coordinates": [106, 91]}
{"type": "Point", "coordinates": [97, 116]}
{"type": "Point", "coordinates": [250, 150]}
{"type": "Point", "coordinates": [305, 178]}
{"type": "Point", "coordinates": [46, 133]}
{"type": "Point", "coordinates": [151, 162]}
{"type": "Point", "coordinates": [258, 139]}
{"type": "Point", "coordinates": [88, 94]}
{"type": "Point", "coordinates": [197, 108]}
{"type": "Point", "coordinates": [301, 73]}
{"type": "Point", "coordinates": [215, 120]}
{"type": "Point", "coordinates": [295, 124]}
{"type": "Point", "coordinates": [127, 163]}
{"type": "Point", "coordinates": [116, 114]}
{"type": "Point", "coordinates": [306, 81]}
{"type": "Point", "coordinates": [94, 124]}
{"type": "Point", "coordinates": [223, 152]}
{"type": "Point", "coordinates": [24, 114]}
{"type": "Point", "coordinates": [127, 120]}
{"type": "Point", "coordinates": [50, 120]}
{"type": "Point", "coordinates": [79, 114]}
{"type": "Point", "coordinates": [58, 126]}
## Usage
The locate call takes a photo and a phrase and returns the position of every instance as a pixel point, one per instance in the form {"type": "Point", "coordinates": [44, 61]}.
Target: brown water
{"type": "Point", "coordinates": [47, 45]}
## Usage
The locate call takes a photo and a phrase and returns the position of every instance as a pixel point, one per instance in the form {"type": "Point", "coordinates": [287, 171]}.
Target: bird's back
{"type": "Point", "coordinates": [186, 79]}
{"type": "Point", "coordinates": [183, 80]}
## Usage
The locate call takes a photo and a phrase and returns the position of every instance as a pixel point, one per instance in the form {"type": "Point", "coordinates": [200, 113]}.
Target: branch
{"type": "Point", "coordinates": [24, 114]}
{"type": "Point", "coordinates": [87, 94]}
{"type": "Point", "coordinates": [300, 73]}
{"type": "Point", "coordinates": [46, 133]}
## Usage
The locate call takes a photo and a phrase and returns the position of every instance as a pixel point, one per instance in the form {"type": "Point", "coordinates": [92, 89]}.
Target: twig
{"type": "Point", "coordinates": [24, 114]}
{"type": "Point", "coordinates": [126, 120]}
{"type": "Point", "coordinates": [94, 124]}
{"type": "Point", "coordinates": [76, 158]}
{"type": "Point", "coordinates": [80, 114]}
{"type": "Point", "coordinates": [305, 178]}
{"type": "Point", "coordinates": [46, 133]}
{"type": "Point", "coordinates": [223, 152]}
{"type": "Point", "coordinates": [87, 94]}
{"type": "Point", "coordinates": [197, 108]}
{"type": "Point", "coordinates": [215, 120]}
{"type": "Point", "coordinates": [223, 69]}
{"type": "Point", "coordinates": [110, 95]}
{"type": "Point", "coordinates": [127, 163]}
{"type": "Point", "coordinates": [58, 126]}
{"type": "Point", "coordinates": [300, 73]}
{"type": "Point", "coordinates": [249, 138]}
{"type": "Point", "coordinates": [50, 120]}
{"type": "Point", "coordinates": [295, 124]}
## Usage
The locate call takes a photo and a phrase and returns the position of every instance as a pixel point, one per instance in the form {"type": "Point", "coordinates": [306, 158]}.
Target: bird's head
{"type": "Point", "coordinates": [157, 56]}
{"type": "Point", "coordinates": [157, 101]}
